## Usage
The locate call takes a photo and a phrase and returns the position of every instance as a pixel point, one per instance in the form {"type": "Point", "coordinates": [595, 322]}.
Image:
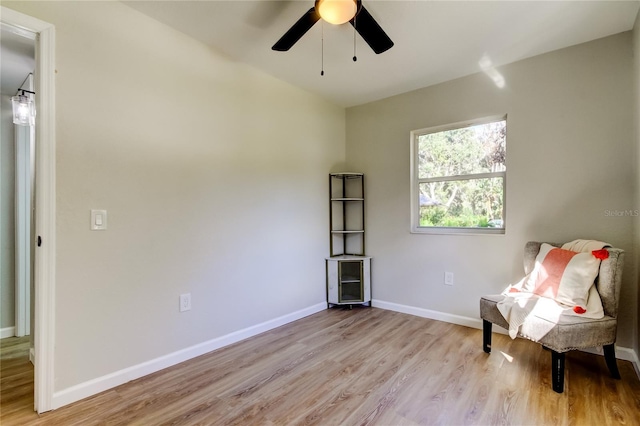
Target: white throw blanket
{"type": "Point", "coordinates": [519, 305]}
{"type": "Point", "coordinates": [585, 246]}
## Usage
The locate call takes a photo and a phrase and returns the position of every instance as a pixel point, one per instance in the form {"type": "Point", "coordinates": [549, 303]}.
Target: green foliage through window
{"type": "Point", "coordinates": [461, 176]}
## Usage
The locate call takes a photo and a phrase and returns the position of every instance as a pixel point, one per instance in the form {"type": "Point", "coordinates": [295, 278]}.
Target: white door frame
{"type": "Point", "coordinates": [24, 142]}
{"type": "Point", "coordinates": [45, 254]}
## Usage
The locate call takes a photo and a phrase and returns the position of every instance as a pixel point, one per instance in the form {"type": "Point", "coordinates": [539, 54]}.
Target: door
{"type": "Point", "coordinates": [24, 195]}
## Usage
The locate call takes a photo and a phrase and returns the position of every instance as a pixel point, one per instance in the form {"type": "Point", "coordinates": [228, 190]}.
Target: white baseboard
{"type": "Point", "coordinates": [100, 384]}
{"type": "Point", "coordinates": [633, 357]}
{"type": "Point", "coordinates": [626, 354]}
{"type": "Point", "coordinates": [7, 332]}
{"type": "Point", "coordinates": [428, 313]}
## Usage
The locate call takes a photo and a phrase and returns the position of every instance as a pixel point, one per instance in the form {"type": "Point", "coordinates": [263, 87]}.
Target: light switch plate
{"type": "Point", "coordinates": [98, 220]}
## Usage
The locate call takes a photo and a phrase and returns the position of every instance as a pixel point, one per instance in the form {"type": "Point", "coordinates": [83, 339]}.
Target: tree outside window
{"type": "Point", "coordinates": [458, 176]}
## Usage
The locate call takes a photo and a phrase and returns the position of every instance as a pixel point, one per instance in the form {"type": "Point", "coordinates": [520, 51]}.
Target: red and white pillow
{"type": "Point", "coordinates": [567, 277]}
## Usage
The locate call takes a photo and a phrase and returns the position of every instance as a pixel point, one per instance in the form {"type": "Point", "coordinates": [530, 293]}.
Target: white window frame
{"type": "Point", "coordinates": [416, 181]}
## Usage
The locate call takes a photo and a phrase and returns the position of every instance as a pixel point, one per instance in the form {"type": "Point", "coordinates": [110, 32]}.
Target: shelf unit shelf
{"type": "Point", "coordinates": [346, 213]}
{"type": "Point", "coordinates": [348, 268]}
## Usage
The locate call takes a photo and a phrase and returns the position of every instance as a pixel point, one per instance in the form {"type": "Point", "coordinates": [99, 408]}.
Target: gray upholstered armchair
{"type": "Point", "coordinates": [570, 332]}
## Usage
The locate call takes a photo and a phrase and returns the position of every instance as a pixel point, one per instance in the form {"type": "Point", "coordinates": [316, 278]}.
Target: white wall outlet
{"type": "Point", "coordinates": [448, 278]}
{"type": "Point", "coordinates": [185, 302]}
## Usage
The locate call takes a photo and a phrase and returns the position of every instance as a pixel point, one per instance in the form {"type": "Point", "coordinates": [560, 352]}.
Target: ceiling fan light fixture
{"type": "Point", "coordinates": [337, 12]}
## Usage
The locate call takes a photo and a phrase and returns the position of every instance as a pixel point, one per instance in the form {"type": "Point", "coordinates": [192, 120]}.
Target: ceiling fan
{"type": "Point", "coordinates": [338, 12]}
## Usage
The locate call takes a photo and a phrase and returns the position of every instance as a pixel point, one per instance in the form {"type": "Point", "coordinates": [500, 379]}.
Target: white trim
{"type": "Point", "coordinates": [629, 355]}
{"type": "Point", "coordinates": [470, 176]}
{"type": "Point", "coordinates": [45, 219]}
{"type": "Point", "coordinates": [428, 313]}
{"type": "Point", "coordinates": [23, 175]}
{"type": "Point", "coordinates": [445, 230]}
{"type": "Point", "coordinates": [7, 332]}
{"type": "Point", "coordinates": [45, 202]}
{"type": "Point", "coordinates": [623, 353]}
{"type": "Point", "coordinates": [32, 355]}
{"type": "Point", "coordinates": [100, 384]}
{"type": "Point", "coordinates": [460, 124]}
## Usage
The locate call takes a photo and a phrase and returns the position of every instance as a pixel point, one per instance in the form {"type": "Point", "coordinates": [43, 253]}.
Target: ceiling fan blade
{"type": "Point", "coordinates": [371, 32]}
{"type": "Point", "coordinates": [296, 32]}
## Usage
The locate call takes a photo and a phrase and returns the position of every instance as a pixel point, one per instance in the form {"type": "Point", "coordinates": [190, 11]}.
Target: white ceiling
{"type": "Point", "coordinates": [17, 58]}
{"type": "Point", "coordinates": [435, 41]}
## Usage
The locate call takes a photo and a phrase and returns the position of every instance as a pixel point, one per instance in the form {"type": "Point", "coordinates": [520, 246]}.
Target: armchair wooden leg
{"type": "Point", "coordinates": [610, 358]}
{"type": "Point", "coordinates": [557, 371]}
{"type": "Point", "coordinates": [486, 336]}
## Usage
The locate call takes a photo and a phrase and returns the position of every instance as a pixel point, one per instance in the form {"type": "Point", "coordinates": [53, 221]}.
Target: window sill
{"type": "Point", "coordinates": [457, 231]}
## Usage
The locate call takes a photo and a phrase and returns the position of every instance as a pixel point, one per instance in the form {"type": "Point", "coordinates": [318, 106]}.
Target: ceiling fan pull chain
{"type": "Point", "coordinates": [322, 54]}
{"type": "Point", "coordinates": [355, 58]}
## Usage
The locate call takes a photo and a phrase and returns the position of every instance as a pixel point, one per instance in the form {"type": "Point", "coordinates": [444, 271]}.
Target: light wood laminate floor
{"type": "Point", "coordinates": [354, 367]}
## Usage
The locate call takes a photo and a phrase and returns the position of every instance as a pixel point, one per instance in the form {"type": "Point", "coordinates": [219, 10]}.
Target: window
{"type": "Point", "coordinates": [458, 177]}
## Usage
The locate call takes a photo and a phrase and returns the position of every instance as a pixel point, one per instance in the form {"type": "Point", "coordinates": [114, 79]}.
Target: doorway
{"type": "Point", "coordinates": [17, 157]}
{"type": "Point", "coordinates": [44, 253]}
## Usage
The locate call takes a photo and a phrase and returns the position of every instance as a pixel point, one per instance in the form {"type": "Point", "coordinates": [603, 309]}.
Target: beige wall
{"type": "Point", "coordinates": [214, 176]}
{"type": "Point", "coordinates": [7, 215]}
{"type": "Point", "coordinates": [570, 157]}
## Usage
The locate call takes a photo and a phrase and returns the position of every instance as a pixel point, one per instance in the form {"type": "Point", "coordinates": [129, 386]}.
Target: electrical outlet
{"type": "Point", "coordinates": [185, 302]}
{"type": "Point", "coordinates": [448, 278]}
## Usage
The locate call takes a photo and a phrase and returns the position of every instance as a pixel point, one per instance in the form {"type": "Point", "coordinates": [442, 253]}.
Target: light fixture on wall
{"type": "Point", "coordinates": [337, 11]}
{"type": "Point", "coordinates": [24, 109]}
